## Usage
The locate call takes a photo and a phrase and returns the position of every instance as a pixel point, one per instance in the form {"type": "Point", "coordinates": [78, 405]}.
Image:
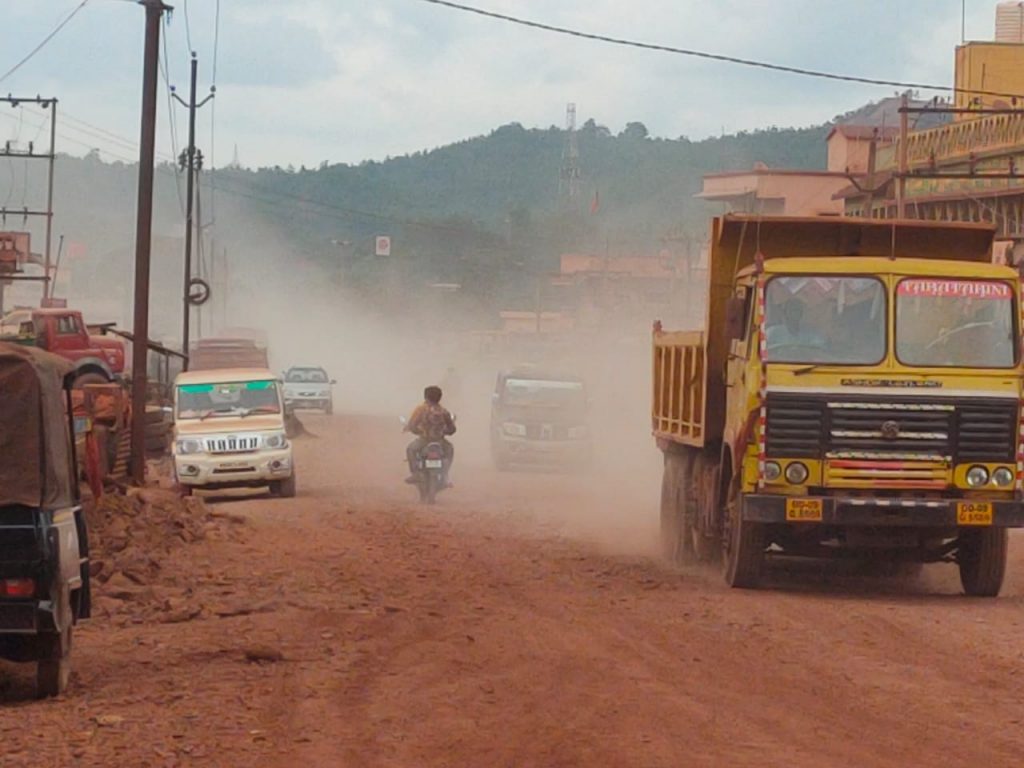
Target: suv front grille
{"type": "Point", "coordinates": [232, 444]}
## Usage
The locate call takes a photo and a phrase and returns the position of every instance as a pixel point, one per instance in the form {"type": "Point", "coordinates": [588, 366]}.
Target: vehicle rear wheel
{"type": "Point", "coordinates": [53, 670]}
{"type": "Point", "coordinates": [676, 542]}
{"type": "Point", "coordinates": [329, 410]}
{"type": "Point", "coordinates": [982, 560]}
{"type": "Point", "coordinates": [428, 489]}
{"type": "Point", "coordinates": [700, 491]}
{"type": "Point", "coordinates": [743, 546]}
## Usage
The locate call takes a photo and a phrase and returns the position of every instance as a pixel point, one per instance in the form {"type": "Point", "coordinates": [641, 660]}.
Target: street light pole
{"type": "Point", "coordinates": [143, 236]}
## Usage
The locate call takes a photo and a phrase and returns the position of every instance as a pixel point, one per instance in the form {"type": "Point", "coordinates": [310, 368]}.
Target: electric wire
{"type": "Point", "coordinates": [44, 41]}
{"type": "Point", "coordinates": [188, 28]}
{"type": "Point", "coordinates": [165, 68]}
{"type": "Point", "coordinates": [803, 71]}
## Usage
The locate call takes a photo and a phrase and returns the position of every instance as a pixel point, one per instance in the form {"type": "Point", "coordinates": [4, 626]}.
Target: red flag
{"type": "Point", "coordinates": [595, 204]}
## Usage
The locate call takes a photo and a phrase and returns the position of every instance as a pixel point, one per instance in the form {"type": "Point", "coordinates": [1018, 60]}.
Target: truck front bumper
{"type": "Point", "coordinates": [234, 469]}
{"type": "Point", "coordinates": [896, 513]}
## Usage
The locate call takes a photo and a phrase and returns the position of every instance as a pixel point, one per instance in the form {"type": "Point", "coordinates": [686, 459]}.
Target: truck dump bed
{"type": "Point", "coordinates": [213, 354]}
{"type": "Point", "coordinates": [679, 366]}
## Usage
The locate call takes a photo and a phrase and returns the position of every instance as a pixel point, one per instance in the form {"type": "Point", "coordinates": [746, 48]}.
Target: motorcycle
{"type": "Point", "coordinates": [431, 471]}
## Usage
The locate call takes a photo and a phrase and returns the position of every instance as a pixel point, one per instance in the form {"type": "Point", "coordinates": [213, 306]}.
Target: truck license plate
{"type": "Point", "coordinates": [433, 464]}
{"type": "Point", "coordinates": [974, 513]}
{"type": "Point", "coordinates": [804, 510]}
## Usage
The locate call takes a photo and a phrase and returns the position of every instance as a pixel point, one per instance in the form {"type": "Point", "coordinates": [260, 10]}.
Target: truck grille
{"type": "Point", "coordinates": [982, 430]}
{"type": "Point", "coordinates": [232, 444]}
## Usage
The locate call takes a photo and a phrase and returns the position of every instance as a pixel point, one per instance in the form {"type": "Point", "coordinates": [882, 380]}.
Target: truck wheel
{"type": "Point", "coordinates": [53, 670]}
{"type": "Point", "coordinates": [676, 543]}
{"type": "Point", "coordinates": [982, 560]}
{"type": "Point", "coordinates": [743, 547]}
{"type": "Point", "coordinates": [702, 481]}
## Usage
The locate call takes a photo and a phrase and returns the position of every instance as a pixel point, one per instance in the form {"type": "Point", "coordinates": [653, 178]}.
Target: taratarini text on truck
{"type": "Point", "coordinates": [856, 392]}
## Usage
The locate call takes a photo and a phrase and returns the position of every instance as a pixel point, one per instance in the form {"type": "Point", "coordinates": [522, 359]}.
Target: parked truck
{"type": "Point", "coordinates": [95, 359]}
{"type": "Point", "coordinates": [855, 392]}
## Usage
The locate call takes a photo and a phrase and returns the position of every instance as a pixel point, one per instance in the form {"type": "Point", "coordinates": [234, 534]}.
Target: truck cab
{"type": "Point", "coordinates": [540, 417]}
{"type": "Point", "coordinates": [63, 332]}
{"type": "Point", "coordinates": [857, 392]}
{"type": "Point", "coordinates": [229, 432]}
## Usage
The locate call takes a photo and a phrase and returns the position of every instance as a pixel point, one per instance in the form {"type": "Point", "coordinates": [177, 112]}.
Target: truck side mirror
{"type": "Point", "coordinates": [734, 316]}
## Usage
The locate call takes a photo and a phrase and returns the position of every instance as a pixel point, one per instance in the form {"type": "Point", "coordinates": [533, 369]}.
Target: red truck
{"type": "Point", "coordinates": [96, 359]}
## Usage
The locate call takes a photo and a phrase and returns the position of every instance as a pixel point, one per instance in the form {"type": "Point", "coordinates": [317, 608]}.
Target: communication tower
{"type": "Point", "coordinates": [570, 179]}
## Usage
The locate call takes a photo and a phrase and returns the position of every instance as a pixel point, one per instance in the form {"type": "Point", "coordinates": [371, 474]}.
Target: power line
{"type": "Point", "coordinates": [188, 28]}
{"type": "Point", "coordinates": [165, 70]}
{"type": "Point", "coordinates": [45, 40]}
{"type": "Point", "coordinates": [712, 56]}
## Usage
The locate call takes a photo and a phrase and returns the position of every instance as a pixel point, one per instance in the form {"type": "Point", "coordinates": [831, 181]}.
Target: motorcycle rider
{"type": "Point", "coordinates": [430, 422]}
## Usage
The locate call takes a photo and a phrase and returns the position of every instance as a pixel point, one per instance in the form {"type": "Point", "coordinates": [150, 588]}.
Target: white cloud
{"type": "Point", "coordinates": [306, 80]}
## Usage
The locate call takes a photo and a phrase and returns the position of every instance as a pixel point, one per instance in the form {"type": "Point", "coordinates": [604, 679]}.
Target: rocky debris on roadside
{"type": "Point", "coordinates": [133, 537]}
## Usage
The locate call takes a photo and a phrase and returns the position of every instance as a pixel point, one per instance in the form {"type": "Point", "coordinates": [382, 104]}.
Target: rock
{"type": "Point", "coordinates": [108, 721]}
{"type": "Point", "coordinates": [263, 654]}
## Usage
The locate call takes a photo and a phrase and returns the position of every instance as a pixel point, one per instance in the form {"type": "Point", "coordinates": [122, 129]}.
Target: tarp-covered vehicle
{"type": "Point", "coordinates": [44, 554]}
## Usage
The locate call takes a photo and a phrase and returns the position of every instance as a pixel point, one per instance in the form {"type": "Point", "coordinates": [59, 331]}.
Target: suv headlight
{"type": "Point", "coordinates": [275, 440]}
{"type": "Point", "coordinates": [516, 430]}
{"type": "Point", "coordinates": [187, 446]}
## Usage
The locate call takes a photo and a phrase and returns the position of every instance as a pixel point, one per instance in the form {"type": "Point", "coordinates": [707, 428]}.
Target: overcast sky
{"type": "Point", "coordinates": [304, 81]}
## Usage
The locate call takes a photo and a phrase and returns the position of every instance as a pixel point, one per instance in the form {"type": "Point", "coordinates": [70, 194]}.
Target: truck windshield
{"type": "Point", "coordinates": [954, 323]}
{"type": "Point", "coordinates": [543, 393]}
{"type": "Point", "coordinates": [824, 319]}
{"type": "Point", "coordinates": [201, 401]}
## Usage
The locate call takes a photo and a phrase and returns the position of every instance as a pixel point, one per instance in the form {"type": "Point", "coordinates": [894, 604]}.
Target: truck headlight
{"type": "Point", "coordinates": [977, 477]}
{"type": "Point", "coordinates": [275, 440]}
{"type": "Point", "coordinates": [796, 473]}
{"type": "Point", "coordinates": [516, 430]}
{"type": "Point", "coordinates": [1002, 477]}
{"type": "Point", "coordinates": [772, 471]}
{"type": "Point", "coordinates": [187, 446]}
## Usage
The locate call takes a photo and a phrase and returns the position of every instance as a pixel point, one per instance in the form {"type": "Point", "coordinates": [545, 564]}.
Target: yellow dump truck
{"type": "Point", "coordinates": [856, 392]}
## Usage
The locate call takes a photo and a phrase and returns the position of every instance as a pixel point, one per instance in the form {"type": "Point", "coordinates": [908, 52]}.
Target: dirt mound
{"type": "Point", "coordinates": [141, 564]}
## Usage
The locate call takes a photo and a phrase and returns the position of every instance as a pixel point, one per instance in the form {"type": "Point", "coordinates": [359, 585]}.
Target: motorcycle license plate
{"type": "Point", "coordinates": [433, 464]}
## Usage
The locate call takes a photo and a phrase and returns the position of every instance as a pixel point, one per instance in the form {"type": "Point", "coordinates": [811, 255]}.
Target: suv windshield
{"type": "Point", "coordinates": [200, 401]}
{"type": "Point", "coordinates": [543, 393]}
{"type": "Point", "coordinates": [944, 323]}
{"type": "Point", "coordinates": [824, 319]}
{"type": "Point", "coordinates": [315, 375]}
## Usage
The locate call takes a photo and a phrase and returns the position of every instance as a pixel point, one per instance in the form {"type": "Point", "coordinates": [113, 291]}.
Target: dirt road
{"type": "Point", "coordinates": [523, 621]}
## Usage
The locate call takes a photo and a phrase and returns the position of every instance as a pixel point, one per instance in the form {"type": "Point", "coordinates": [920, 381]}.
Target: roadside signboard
{"type": "Point", "coordinates": [383, 245]}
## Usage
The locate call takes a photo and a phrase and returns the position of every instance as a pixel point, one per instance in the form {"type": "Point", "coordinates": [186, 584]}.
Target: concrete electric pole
{"type": "Point", "coordinates": [143, 236]}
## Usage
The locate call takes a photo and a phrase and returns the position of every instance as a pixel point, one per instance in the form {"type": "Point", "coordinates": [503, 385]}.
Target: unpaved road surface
{"type": "Point", "coordinates": [521, 622]}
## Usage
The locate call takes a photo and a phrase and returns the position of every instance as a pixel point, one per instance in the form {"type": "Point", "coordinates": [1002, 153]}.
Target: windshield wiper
{"type": "Point", "coordinates": [206, 414]}
{"type": "Point", "coordinates": [809, 368]}
{"type": "Point", "coordinates": [257, 409]}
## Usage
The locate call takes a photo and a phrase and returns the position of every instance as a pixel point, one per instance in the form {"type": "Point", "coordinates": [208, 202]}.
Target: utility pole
{"type": "Point", "coordinates": [901, 181]}
{"type": "Point", "coordinates": [189, 162]}
{"type": "Point", "coordinates": [143, 236]}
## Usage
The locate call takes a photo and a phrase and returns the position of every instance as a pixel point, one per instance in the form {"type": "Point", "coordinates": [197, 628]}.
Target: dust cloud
{"type": "Point", "coordinates": [383, 356]}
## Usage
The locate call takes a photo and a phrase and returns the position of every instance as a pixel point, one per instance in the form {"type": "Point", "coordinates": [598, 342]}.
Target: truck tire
{"type": "Point", "coordinates": [53, 670]}
{"type": "Point", "coordinates": [705, 545]}
{"type": "Point", "coordinates": [981, 557]}
{"type": "Point", "coordinates": [743, 546]}
{"type": "Point", "coordinates": [676, 543]}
